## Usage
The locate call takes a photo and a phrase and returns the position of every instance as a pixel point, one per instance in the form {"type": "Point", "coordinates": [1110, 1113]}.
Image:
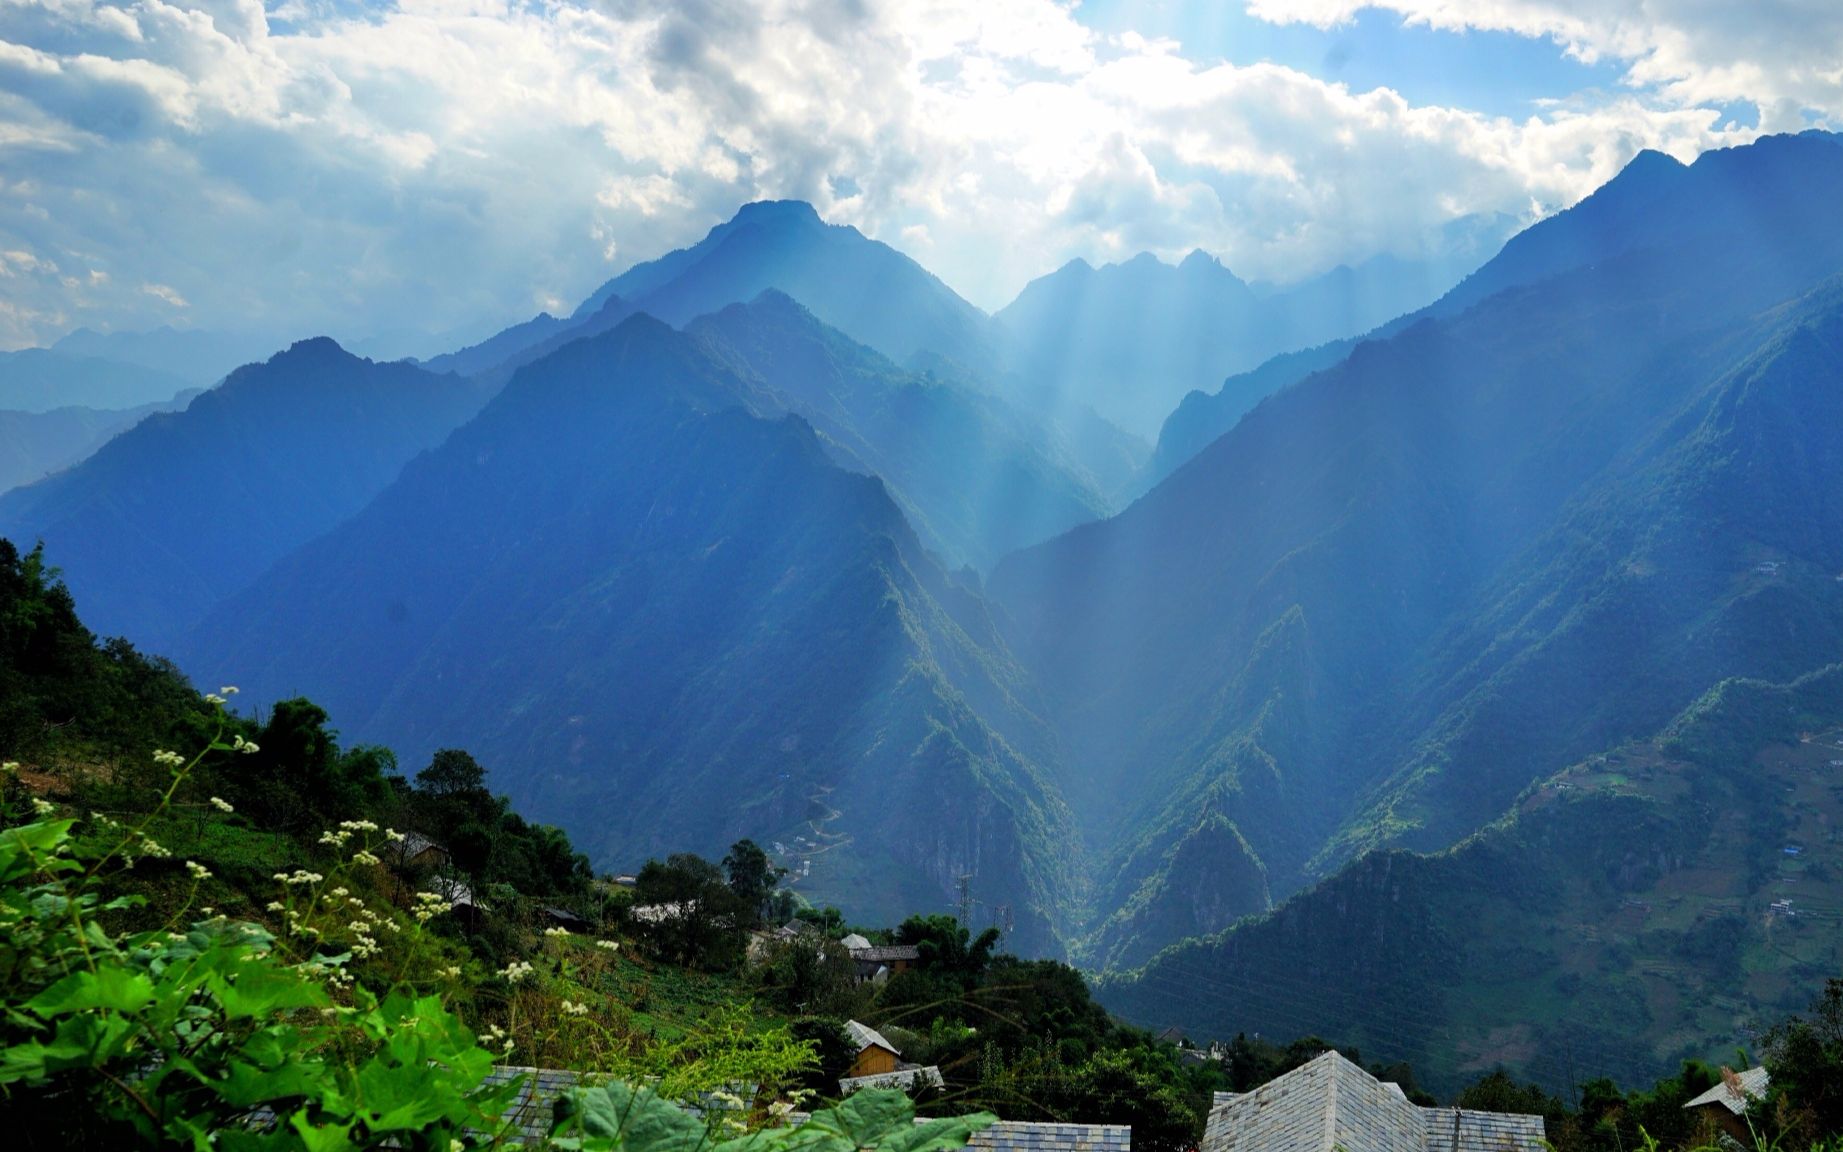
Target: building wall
{"type": "Point", "coordinates": [874, 1061]}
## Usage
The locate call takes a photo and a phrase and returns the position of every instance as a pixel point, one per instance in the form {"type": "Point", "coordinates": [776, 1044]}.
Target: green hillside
{"type": "Point", "coordinates": [1666, 900]}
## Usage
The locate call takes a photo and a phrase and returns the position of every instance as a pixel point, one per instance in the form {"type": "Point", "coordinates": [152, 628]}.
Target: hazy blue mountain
{"type": "Point", "coordinates": [665, 618]}
{"type": "Point", "coordinates": [867, 290]}
{"type": "Point", "coordinates": [500, 347]}
{"type": "Point", "coordinates": [188, 506]}
{"type": "Point", "coordinates": [862, 287]}
{"type": "Point", "coordinates": [976, 478]}
{"type": "Point", "coordinates": [1655, 201]}
{"type": "Point", "coordinates": [41, 379]}
{"type": "Point", "coordinates": [33, 445]}
{"type": "Point", "coordinates": [197, 357]}
{"type": "Point", "coordinates": [1399, 591]}
{"type": "Point", "coordinates": [1618, 918]}
{"type": "Point", "coordinates": [1132, 339]}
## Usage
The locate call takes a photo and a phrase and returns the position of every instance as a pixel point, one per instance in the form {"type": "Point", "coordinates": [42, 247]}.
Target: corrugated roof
{"type": "Point", "coordinates": [1029, 1136]}
{"type": "Point", "coordinates": [904, 1078]}
{"type": "Point", "coordinates": [1754, 1083]}
{"type": "Point", "coordinates": [863, 1035]}
{"type": "Point", "coordinates": [1331, 1103]}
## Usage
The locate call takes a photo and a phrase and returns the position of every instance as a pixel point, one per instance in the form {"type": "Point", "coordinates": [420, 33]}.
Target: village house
{"type": "Point", "coordinates": [878, 962]}
{"type": "Point", "coordinates": [879, 1064]}
{"type": "Point", "coordinates": [1727, 1102]}
{"type": "Point", "coordinates": [1331, 1103]}
{"type": "Point", "coordinates": [416, 851]}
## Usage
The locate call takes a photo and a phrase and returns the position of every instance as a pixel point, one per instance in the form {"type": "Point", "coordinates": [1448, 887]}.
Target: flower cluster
{"type": "Point", "coordinates": [495, 1035]}
{"type": "Point", "coordinates": [429, 905]}
{"type": "Point", "coordinates": [571, 1008]}
{"type": "Point", "coordinates": [515, 971]}
{"type": "Point", "coordinates": [247, 747]}
{"type": "Point", "coordinates": [299, 876]}
{"type": "Point", "coordinates": [170, 759]}
{"type": "Point", "coordinates": [221, 804]}
{"type": "Point", "coordinates": [198, 871]}
{"type": "Point", "coordinates": [608, 945]}
{"type": "Point", "coordinates": [557, 931]}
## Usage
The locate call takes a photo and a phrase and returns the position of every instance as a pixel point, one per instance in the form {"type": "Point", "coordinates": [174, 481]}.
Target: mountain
{"type": "Point", "coordinates": [1642, 906]}
{"type": "Point", "coordinates": [975, 477]}
{"type": "Point", "coordinates": [33, 445]}
{"type": "Point", "coordinates": [1132, 339]}
{"type": "Point", "coordinates": [1654, 202]}
{"type": "Point", "coordinates": [657, 609]}
{"type": "Point", "coordinates": [186, 507]}
{"type": "Point", "coordinates": [500, 347]}
{"type": "Point", "coordinates": [1399, 591]}
{"type": "Point", "coordinates": [197, 357]}
{"type": "Point", "coordinates": [41, 379]}
{"type": "Point", "coordinates": [864, 288]}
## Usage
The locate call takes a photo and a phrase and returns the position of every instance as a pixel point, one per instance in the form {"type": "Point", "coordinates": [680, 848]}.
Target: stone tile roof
{"type": "Point", "coordinates": [863, 1035]}
{"type": "Point", "coordinates": [529, 1114]}
{"type": "Point", "coordinates": [1754, 1083]}
{"type": "Point", "coordinates": [1463, 1130]}
{"type": "Point", "coordinates": [1330, 1103]}
{"type": "Point", "coordinates": [1030, 1136]}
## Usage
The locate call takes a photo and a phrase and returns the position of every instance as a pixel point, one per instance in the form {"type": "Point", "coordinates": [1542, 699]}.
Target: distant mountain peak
{"type": "Point", "coordinates": [777, 211]}
{"type": "Point", "coordinates": [314, 349]}
{"type": "Point", "coordinates": [1198, 258]}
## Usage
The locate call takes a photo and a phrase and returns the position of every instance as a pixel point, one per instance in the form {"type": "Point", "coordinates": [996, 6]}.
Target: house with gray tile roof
{"type": "Point", "coordinates": [1751, 1085]}
{"type": "Point", "coordinates": [1726, 1103]}
{"type": "Point", "coordinates": [1331, 1103]}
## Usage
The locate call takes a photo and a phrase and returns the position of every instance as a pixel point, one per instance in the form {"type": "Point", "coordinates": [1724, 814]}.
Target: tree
{"type": "Point", "coordinates": [1804, 1057]}
{"type": "Point", "coordinates": [685, 912]}
{"type": "Point", "coordinates": [751, 876]}
{"type": "Point", "coordinates": [946, 945]}
{"type": "Point", "coordinates": [452, 772]}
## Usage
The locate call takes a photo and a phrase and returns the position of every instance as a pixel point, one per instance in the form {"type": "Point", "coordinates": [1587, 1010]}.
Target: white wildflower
{"type": "Point", "coordinates": [557, 931]}
{"type": "Point", "coordinates": [171, 759]}
{"type": "Point", "coordinates": [516, 971]}
{"type": "Point", "coordinates": [221, 804]}
{"type": "Point", "coordinates": [213, 698]}
{"type": "Point", "coordinates": [608, 945]}
{"type": "Point", "coordinates": [198, 871]}
{"type": "Point", "coordinates": [277, 906]}
{"type": "Point", "coordinates": [228, 690]}
{"type": "Point", "coordinates": [43, 808]}
{"type": "Point", "coordinates": [364, 857]}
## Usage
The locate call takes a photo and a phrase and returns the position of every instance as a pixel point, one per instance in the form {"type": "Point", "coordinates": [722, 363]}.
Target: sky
{"type": "Point", "coordinates": [429, 170]}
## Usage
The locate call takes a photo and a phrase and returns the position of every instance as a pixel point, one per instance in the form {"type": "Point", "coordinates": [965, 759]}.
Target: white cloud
{"type": "Point", "coordinates": [1783, 56]}
{"type": "Point", "coordinates": [427, 164]}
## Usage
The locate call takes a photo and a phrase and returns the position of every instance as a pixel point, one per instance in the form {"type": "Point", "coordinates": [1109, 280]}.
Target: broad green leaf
{"type": "Point", "coordinates": [317, 1138]}
{"type": "Point", "coordinates": [262, 990]}
{"type": "Point", "coordinates": [936, 1135]}
{"type": "Point", "coordinates": [109, 987]}
{"type": "Point", "coordinates": [638, 1119]}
